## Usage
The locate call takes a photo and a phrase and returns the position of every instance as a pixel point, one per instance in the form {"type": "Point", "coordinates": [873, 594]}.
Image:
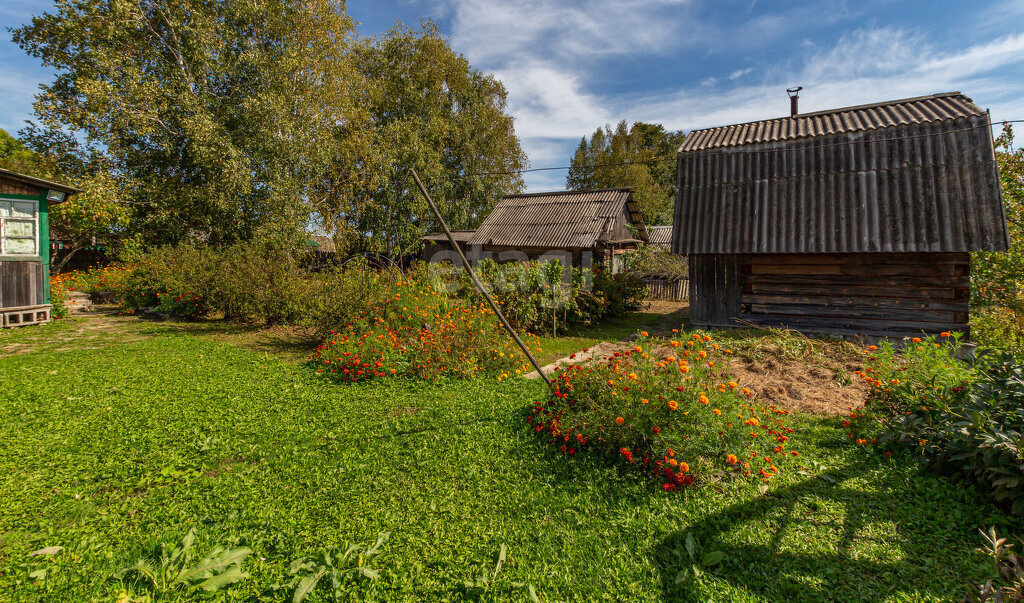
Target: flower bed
{"type": "Point", "coordinates": [962, 419]}
{"type": "Point", "coordinates": [419, 333]}
{"type": "Point", "coordinates": [669, 409]}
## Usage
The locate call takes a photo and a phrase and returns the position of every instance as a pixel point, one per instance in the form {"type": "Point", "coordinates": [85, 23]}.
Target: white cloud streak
{"type": "Point", "coordinates": [554, 58]}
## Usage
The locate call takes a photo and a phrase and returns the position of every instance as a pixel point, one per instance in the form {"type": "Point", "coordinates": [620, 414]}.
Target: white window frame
{"type": "Point", "coordinates": [35, 228]}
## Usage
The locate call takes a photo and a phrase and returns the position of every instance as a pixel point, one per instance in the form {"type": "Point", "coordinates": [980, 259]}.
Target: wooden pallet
{"type": "Point", "coordinates": [25, 315]}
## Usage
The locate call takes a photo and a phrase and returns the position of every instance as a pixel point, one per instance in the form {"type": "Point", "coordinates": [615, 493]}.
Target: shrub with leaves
{"type": "Point", "coordinates": [417, 332]}
{"type": "Point", "coordinates": [968, 421]}
{"type": "Point", "coordinates": [168, 570]}
{"type": "Point", "coordinates": [542, 297]}
{"type": "Point", "coordinates": [1009, 567]}
{"type": "Point", "coordinates": [669, 408]}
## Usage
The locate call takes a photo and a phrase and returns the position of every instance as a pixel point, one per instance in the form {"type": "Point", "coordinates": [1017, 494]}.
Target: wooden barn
{"type": "Point", "coordinates": [850, 221]}
{"type": "Point", "coordinates": [25, 247]}
{"type": "Point", "coordinates": [586, 226]}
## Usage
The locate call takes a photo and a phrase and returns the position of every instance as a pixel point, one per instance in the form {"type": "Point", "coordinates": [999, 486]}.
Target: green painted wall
{"type": "Point", "coordinates": [44, 244]}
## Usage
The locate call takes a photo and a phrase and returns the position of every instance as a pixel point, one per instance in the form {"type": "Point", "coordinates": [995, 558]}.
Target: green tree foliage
{"type": "Point", "coordinates": [425, 107]}
{"type": "Point", "coordinates": [997, 278]}
{"type": "Point", "coordinates": [212, 115]}
{"type": "Point", "coordinates": [649, 148]}
{"type": "Point", "coordinates": [14, 155]}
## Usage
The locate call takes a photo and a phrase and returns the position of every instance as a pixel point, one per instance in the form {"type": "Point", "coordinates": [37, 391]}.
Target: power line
{"type": "Point", "coordinates": [721, 151]}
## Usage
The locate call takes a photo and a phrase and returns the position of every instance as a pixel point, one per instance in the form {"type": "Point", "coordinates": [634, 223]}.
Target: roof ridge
{"type": "Point", "coordinates": [898, 101]}
{"type": "Point", "coordinates": [623, 189]}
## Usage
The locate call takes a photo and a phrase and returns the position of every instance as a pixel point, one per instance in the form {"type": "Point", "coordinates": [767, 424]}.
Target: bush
{"type": "Point", "coordinates": [964, 420]}
{"type": "Point", "coordinates": [668, 408]}
{"type": "Point", "coordinates": [418, 332]}
{"type": "Point", "coordinates": [543, 296]}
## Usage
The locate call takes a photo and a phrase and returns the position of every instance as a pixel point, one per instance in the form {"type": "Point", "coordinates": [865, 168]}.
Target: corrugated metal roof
{"type": "Point", "coordinates": [558, 220]}
{"type": "Point", "coordinates": [660, 235]}
{"type": "Point", "coordinates": [908, 111]}
{"type": "Point", "coordinates": [917, 187]}
{"type": "Point", "coordinates": [460, 236]}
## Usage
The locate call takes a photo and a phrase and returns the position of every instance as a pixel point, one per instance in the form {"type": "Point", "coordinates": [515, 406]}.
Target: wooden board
{"type": "Point", "coordinates": [871, 293]}
{"type": "Point", "coordinates": [21, 284]}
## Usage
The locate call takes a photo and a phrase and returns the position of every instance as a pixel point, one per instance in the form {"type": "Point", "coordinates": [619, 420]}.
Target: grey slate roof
{"type": "Point", "coordinates": [918, 110]}
{"type": "Point", "coordinates": [912, 175]}
{"type": "Point", "coordinates": [660, 235]}
{"type": "Point", "coordinates": [558, 220]}
{"type": "Point", "coordinates": [460, 236]}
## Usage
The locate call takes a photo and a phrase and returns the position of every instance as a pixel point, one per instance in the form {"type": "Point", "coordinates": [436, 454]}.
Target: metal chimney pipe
{"type": "Point", "coordinates": [794, 97]}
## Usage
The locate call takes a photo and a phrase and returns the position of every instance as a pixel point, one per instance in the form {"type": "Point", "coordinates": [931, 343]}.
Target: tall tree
{"type": "Point", "coordinates": [646, 149]}
{"type": "Point", "coordinates": [425, 107]}
{"type": "Point", "coordinates": [997, 279]}
{"type": "Point", "coordinates": [213, 115]}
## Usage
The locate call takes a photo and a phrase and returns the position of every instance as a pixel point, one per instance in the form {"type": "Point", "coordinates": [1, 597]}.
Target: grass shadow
{"type": "Point", "coordinates": [769, 554]}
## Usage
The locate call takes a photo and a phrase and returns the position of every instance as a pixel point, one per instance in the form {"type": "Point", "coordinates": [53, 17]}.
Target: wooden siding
{"type": "Point", "coordinates": [9, 186]}
{"type": "Point", "coordinates": [714, 294]}
{"type": "Point", "coordinates": [672, 289]}
{"type": "Point", "coordinates": [21, 284]}
{"type": "Point", "coordinates": [872, 294]}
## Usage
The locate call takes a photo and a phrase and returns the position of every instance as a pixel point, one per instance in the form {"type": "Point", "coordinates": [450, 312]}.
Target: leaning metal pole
{"type": "Point", "coordinates": [476, 281]}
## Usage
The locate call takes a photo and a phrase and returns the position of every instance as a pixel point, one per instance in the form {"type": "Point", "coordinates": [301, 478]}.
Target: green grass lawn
{"type": "Point", "coordinates": [111, 447]}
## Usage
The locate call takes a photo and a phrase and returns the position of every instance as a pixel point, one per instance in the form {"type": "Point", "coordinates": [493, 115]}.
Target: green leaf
{"type": "Point", "coordinates": [230, 576]}
{"type": "Point", "coordinates": [307, 585]}
{"type": "Point", "coordinates": [217, 559]}
{"type": "Point", "coordinates": [712, 558]}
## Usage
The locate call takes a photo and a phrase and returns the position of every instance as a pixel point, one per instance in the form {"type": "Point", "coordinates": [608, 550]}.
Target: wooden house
{"type": "Point", "coordinates": [850, 221]}
{"type": "Point", "coordinates": [584, 227]}
{"type": "Point", "coordinates": [25, 247]}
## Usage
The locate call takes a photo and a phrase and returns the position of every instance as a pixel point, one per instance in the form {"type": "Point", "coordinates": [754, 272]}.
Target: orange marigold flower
{"type": "Point", "coordinates": [916, 339]}
{"type": "Point", "coordinates": [946, 334]}
{"type": "Point", "coordinates": [731, 459]}
{"type": "Point", "coordinates": [716, 411]}
{"type": "Point", "coordinates": [619, 420]}
{"type": "Point", "coordinates": [684, 468]}
{"type": "Point", "coordinates": [733, 384]}
{"type": "Point", "coordinates": [643, 333]}
{"type": "Point", "coordinates": [644, 400]}
{"type": "Point", "coordinates": [702, 354]}
{"type": "Point", "coordinates": [872, 347]}
{"type": "Point", "coordinates": [672, 404]}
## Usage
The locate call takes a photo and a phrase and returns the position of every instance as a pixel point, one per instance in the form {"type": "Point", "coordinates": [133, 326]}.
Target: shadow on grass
{"type": "Point", "coordinates": [289, 343]}
{"type": "Point", "coordinates": [790, 545]}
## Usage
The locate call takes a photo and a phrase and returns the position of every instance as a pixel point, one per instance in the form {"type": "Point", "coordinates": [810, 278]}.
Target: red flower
{"type": "Point", "coordinates": [668, 487]}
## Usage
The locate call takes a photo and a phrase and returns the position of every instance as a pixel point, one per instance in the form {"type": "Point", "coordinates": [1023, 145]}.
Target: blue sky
{"type": "Point", "coordinates": [573, 66]}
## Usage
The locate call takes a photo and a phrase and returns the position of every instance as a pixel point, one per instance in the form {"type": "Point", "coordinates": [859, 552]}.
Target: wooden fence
{"type": "Point", "coordinates": [671, 289]}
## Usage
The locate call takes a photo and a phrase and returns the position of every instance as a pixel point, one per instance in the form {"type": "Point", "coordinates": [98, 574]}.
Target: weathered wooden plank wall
{"type": "Point", "coordinates": [667, 288]}
{"type": "Point", "coordinates": [715, 287]}
{"type": "Point", "coordinates": [21, 284]}
{"type": "Point", "coordinates": [877, 294]}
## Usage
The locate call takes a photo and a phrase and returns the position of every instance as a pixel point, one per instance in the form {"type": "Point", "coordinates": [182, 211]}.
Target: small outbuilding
{"type": "Point", "coordinates": [584, 227]}
{"type": "Point", "coordinates": [25, 203]}
{"type": "Point", "coordinates": [850, 221]}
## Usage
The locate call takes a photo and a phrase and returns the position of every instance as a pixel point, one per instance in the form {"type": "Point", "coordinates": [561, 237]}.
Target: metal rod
{"type": "Point", "coordinates": [476, 281]}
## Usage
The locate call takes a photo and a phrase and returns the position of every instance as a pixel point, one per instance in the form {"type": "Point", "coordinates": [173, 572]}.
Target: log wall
{"type": "Point", "coordinates": [872, 294]}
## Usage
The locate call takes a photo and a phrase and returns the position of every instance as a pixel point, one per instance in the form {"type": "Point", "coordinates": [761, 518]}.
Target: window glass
{"type": "Point", "coordinates": [20, 246]}
{"type": "Point", "coordinates": [23, 209]}
{"type": "Point", "coordinates": [19, 228]}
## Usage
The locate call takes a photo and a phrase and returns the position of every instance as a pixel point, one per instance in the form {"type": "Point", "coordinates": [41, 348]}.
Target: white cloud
{"type": "Point", "coordinates": [555, 102]}
{"type": "Point", "coordinates": [735, 75]}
